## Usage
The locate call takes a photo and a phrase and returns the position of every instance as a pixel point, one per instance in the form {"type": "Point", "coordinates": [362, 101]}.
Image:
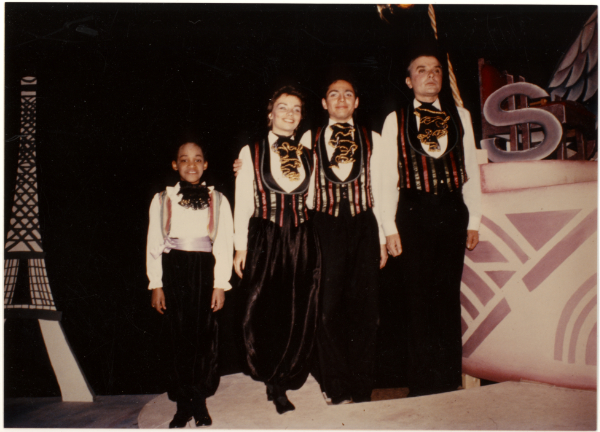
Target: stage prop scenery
{"type": "Point", "coordinates": [113, 101]}
{"type": "Point", "coordinates": [27, 293]}
{"type": "Point", "coordinates": [529, 288]}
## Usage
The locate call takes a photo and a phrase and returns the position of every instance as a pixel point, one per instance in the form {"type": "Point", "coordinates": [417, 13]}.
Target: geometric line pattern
{"type": "Point", "coordinates": [477, 285]}
{"type": "Point", "coordinates": [500, 277]}
{"type": "Point", "coordinates": [539, 227]}
{"type": "Point", "coordinates": [567, 313]}
{"type": "Point", "coordinates": [11, 268]}
{"type": "Point", "coordinates": [503, 235]}
{"type": "Point", "coordinates": [490, 322]}
{"type": "Point", "coordinates": [24, 232]}
{"type": "Point", "coordinates": [39, 287]}
{"type": "Point", "coordinates": [487, 253]}
{"type": "Point", "coordinates": [577, 328]}
{"type": "Point", "coordinates": [561, 251]}
{"type": "Point", "coordinates": [469, 306]}
{"type": "Point", "coordinates": [591, 350]}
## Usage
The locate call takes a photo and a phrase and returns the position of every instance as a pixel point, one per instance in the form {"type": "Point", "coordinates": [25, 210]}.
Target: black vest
{"type": "Point", "coordinates": [270, 201]}
{"type": "Point", "coordinates": [357, 187]}
{"type": "Point", "coordinates": [420, 171]}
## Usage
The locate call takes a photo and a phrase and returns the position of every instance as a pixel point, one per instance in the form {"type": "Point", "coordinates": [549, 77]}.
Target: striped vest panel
{"type": "Point", "coordinates": [270, 201]}
{"type": "Point", "coordinates": [426, 173]}
{"type": "Point", "coordinates": [328, 190]}
{"type": "Point", "coordinates": [213, 220]}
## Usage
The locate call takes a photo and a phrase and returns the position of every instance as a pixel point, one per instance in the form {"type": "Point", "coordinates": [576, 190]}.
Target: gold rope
{"type": "Point", "coordinates": [453, 84]}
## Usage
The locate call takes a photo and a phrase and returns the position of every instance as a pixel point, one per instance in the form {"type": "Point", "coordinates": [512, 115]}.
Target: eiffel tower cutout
{"type": "Point", "coordinates": [27, 291]}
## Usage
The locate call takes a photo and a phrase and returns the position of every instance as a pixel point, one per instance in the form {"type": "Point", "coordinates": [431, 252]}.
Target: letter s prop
{"type": "Point", "coordinates": [496, 116]}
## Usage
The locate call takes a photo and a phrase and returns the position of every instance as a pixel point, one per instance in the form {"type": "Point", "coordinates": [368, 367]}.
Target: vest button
{"type": "Point", "coordinates": [442, 181]}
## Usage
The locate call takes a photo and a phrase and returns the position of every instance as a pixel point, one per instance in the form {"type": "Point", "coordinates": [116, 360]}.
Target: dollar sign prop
{"type": "Point", "coordinates": [496, 116]}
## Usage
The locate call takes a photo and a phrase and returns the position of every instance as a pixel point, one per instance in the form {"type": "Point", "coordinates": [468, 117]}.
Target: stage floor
{"type": "Point", "coordinates": [241, 403]}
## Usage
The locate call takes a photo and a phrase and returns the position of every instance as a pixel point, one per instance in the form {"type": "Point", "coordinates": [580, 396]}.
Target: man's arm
{"type": "Point", "coordinates": [389, 184]}
{"type": "Point", "coordinates": [472, 188]}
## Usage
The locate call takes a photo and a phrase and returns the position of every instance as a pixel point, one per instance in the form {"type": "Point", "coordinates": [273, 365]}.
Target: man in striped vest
{"type": "Point", "coordinates": [344, 192]}
{"type": "Point", "coordinates": [431, 212]}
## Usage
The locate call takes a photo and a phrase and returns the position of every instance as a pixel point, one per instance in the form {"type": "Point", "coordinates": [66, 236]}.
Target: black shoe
{"type": "Point", "coordinates": [183, 414]}
{"type": "Point", "coordinates": [283, 404]}
{"type": "Point", "coordinates": [179, 421]}
{"type": "Point", "coordinates": [201, 416]}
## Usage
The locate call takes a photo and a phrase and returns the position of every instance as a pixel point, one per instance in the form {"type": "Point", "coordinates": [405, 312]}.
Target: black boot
{"type": "Point", "coordinates": [201, 416]}
{"type": "Point", "coordinates": [183, 414]}
{"type": "Point", "coordinates": [282, 403]}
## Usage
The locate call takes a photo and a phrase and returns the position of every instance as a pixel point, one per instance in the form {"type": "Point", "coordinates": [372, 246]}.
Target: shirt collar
{"type": "Point", "coordinates": [272, 137]}
{"type": "Point", "coordinates": [332, 122]}
{"type": "Point", "coordinates": [417, 104]}
{"type": "Point", "coordinates": [176, 188]}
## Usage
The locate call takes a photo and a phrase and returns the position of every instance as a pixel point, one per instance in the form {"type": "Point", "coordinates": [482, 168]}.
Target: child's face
{"type": "Point", "coordinates": [190, 163]}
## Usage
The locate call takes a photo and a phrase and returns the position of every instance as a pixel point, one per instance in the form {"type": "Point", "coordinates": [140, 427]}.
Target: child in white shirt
{"type": "Point", "coordinates": [189, 261]}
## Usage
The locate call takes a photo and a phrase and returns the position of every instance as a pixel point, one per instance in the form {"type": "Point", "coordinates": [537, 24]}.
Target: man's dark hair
{"type": "Point", "coordinates": [424, 51]}
{"type": "Point", "coordinates": [289, 90]}
{"type": "Point", "coordinates": [339, 74]}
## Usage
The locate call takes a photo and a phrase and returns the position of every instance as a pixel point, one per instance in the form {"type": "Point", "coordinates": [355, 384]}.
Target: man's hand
{"type": "Point", "coordinates": [158, 300]}
{"type": "Point", "coordinates": [472, 239]}
{"type": "Point", "coordinates": [237, 166]}
{"type": "Point", "coordinates": [382, 256]}
{"type": "Point", "coordinates": [394, 246]}
{"type": "Point", "coordinates": [218, 299]}
{"type": "Point", "coordinates": [239, 262]}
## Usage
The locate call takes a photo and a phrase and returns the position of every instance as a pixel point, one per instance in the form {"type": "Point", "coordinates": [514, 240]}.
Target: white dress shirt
{"type": "Point", "coordinates": [244, 187]}
{"type": "Point", "coordinates": [390, 176]}
{"type": "Point", "coordinates": [344, 171]}
{"type": "Point", "coordinates": [188, 223]}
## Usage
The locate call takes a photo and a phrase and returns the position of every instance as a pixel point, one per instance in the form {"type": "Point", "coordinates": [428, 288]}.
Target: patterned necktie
{"type": "Point", "coordinates": [343, 142]}
{"type": "Point", "coordinates": [432, 126]}
{"type": "Point", "coordinates": [289, 153]}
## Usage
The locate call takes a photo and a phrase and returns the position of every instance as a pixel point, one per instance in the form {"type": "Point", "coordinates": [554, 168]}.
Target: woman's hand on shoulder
{"type": "Point", "coordinates": [239, 262]}
{"type": "Point", "coordinates": [158, 300]}
{"type": "Point", "coordinates": [218, 299]}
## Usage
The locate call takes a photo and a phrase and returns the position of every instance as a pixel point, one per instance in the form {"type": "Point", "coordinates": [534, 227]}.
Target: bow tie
{"type": "Point", "coordinates": [343, 142]}
{"type": "Point", "coordinates": [433, 124]}
{"type": "Point", "coordinates": [289, 153]}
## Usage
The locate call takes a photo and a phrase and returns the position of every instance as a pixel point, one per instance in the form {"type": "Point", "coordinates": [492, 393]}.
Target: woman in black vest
{"type": "Point", "coordinates": [277, 251]}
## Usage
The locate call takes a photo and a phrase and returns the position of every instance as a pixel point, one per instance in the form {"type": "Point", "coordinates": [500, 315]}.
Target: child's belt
{"type": "Point", "coordinates": [198, 244]}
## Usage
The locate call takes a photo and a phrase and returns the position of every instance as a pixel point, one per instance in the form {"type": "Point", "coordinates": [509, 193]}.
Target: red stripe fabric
{"type": "Point", "coordinates": [281, 212]}
{"type": "Point", "coordinates": [368, 168]}
{"type": "Point", "coordinates": [454, 170]}
{"type": "Point", "coordinates": [425, 173]}
{"type": "Point", "coordinates": [259, 179]}
{"type": "Point", "coordinates": [401, 132]}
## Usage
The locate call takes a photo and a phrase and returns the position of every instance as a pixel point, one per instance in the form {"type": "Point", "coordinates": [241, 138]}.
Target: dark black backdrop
{"type": "Point", "coordinates": [110, 105]}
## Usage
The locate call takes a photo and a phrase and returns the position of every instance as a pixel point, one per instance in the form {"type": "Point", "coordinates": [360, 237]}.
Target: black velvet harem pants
{"type": "Point", "coordinates": [282, 278]}
{"type": "Point", "coordinates": [433, 232]}
{"type": "Point", "coordinates": [188, 279]}
{"type": "Point", "coordinates": [349, 302]}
